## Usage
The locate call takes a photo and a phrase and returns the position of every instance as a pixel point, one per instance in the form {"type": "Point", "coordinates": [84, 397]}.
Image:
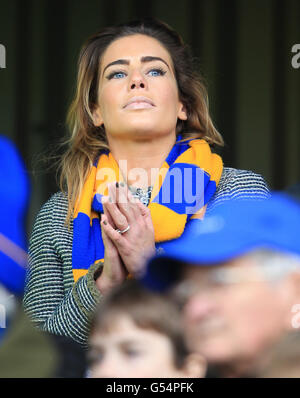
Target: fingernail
{"type": "Point", "coordinates": [117, 184]}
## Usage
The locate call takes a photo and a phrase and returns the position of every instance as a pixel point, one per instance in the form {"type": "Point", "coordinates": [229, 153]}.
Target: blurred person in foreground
{"type": "Point", "coordinates": [284, 358]}
{"type": "Point", "coordinates": [237, 276]}
{"type": "Point", "coordinates": [24, 351]}
{"type": "Point", "coordinates": [22, 348]}
{"type": "Point", "coordinates": [138, 333]}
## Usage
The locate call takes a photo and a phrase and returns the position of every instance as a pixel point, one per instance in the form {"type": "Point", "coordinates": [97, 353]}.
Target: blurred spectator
{"type": "Point", "coordinates": [237, 275]}
{"type": "Point", "coordinates": [137, 333]}
{"type": "Point", "coordinates": [24, 351]}
{"type": "Point", "coordinates": [284, 358]}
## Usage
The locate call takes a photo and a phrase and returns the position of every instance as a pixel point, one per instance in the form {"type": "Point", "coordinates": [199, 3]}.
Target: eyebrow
{"type": "Point", "coordinates": [99, 347]}
{"type": "Point", "coordinates": [145, 59]}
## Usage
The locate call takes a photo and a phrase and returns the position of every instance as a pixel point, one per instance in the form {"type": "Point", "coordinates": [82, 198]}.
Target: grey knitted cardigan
{"type": "Point", "coordinates": [53, 301]}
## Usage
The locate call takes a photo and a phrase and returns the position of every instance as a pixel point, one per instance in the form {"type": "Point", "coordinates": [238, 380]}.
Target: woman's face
{"type": "Point", "coordinates": [137, 93]}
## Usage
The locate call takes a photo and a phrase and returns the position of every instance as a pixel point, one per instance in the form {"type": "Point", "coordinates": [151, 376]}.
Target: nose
{"type": "Point", "coordinates": [137, 85]}
{"type": "Point", "coordinates": [137, 81]}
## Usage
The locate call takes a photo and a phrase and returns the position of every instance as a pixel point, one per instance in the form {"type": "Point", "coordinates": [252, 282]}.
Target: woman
{"type": "Point", "coordinates": [139, 119]}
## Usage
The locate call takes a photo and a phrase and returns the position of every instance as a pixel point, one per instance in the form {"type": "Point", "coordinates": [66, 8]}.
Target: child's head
{"type": "Point", "coordinates": [137, 333]}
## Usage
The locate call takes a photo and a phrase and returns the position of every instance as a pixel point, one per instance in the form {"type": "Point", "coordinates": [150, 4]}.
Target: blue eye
{"type": "Point", "coordinates": [116, 75]}
{"type": "Point", "coordinates": [119, 75]}
{"type": "Point", "coordinates": [156, 72]}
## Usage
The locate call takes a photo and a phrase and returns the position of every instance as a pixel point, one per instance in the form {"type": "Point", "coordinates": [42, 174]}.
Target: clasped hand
{"type": "Point", "coordinates": [125, 253]}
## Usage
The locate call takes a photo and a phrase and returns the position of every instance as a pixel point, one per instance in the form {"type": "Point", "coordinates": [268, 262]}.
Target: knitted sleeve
{"type": "Point", "coordinates": [51, 299]}
{"type": "Point", "coordinates": [239, 184]}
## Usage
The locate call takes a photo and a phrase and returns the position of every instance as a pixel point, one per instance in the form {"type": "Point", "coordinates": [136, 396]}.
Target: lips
{"type": "Point", "coordinates": [139, 103]}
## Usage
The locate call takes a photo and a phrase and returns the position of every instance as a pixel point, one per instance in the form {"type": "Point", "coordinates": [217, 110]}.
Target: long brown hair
{"type": "Point", "coordinates": [86, 140]}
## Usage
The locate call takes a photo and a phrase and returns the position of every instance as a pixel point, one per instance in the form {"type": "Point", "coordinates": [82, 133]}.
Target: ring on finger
{"type": "Point", "coordinates": [124, 230]}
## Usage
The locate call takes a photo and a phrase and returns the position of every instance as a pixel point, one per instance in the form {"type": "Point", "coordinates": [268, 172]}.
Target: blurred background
{"type": "Point", "coordinates": [243, 49]}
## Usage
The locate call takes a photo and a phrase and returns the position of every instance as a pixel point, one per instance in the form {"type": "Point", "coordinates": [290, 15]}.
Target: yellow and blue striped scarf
{"type": "Point", "coordinates": [175, 199]}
